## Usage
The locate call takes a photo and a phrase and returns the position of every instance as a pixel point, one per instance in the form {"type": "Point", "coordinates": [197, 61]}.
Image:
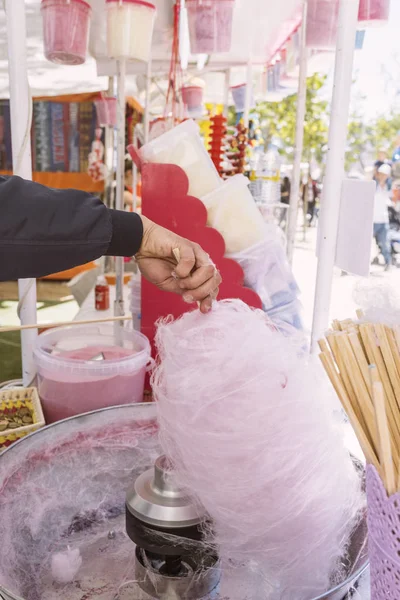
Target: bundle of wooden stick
{"type": "Point", "coordinates": [362, 361]}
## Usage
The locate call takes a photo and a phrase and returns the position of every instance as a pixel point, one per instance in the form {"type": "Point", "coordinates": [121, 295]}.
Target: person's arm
{"type": "Point", "coordinates": [43, 231]}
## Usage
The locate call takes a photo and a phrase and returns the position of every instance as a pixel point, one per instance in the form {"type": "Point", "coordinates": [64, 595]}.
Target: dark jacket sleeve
{"type": "Point", "coordinates": [43, 231]}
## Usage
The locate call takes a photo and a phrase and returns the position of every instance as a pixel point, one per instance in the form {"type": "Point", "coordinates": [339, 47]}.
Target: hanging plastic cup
{"type": "Point", "coordinates": [130, 25]}
{"type": "Point", "coordinates": [239, 97]}
{"type": "Point", "coordinates": [373, 12]}
{"type": "Point", "coordinates": [210, 25]}
{"type": "Point", "coordinates": [66, 30]}
{"type": "Point", "coordinates": [322, 24]}
{"type": "Point", "coordinates": [192, 96]}
{"type": "Point", "coordinates": [106, 109]}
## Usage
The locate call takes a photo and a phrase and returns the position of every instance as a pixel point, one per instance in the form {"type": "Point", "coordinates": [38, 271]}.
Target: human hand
{"type": "Point", "coordinates": [193, 276]}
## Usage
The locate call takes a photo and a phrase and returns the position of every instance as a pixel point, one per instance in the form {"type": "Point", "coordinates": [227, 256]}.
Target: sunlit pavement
{"type": "Point", "coordinates": [343, 304]}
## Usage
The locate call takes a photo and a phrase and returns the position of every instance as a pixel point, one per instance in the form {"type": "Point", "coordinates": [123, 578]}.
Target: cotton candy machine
{"type": "Point", "coordinates": [66, 487]}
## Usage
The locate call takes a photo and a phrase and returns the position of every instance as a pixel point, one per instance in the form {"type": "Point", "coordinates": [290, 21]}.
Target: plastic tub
{"type": "Point", "coordinates": [106, 109]}
{"type": "Point", "coordinates": [373, 12]}
{"type": "Point", "coordinates": [192, 96]}
{"type": "Point", "coordinates": [233, 212]}
{"type": "Point", "coordinates": [66, 30]}
{"type": "Point", "coordinates": [71, 382]}
{"type": "Point", "coordinates": [130, 25]}
{"type": "Point", "coordinates": [210, 25]}
{"type": "Point", "coordinates": [184, 147]}
{"type": "Point", "coordinates": [322, 24]}
{"type": "Point", "coordinates": [239, 97]}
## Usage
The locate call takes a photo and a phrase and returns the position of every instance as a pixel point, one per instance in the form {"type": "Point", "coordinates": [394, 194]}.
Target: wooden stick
{"type": "Point", "coordinates": [361, 358]}
{"type": "Point", "coordinates": [360, 388]}
{"type": "Point", "coordinates": [64, 324]}
{"type": "Point", "coordinates": [389, 360]}
{"type": "Point", "coordinates": [385, 452]}
{"type": "Point", "coordinates": [360, 314]}
{"type": "Point", "coordinates": [393, 346]}
{"type": "Point", "coordinates": [343, 373]}
{"type": "Point", "coordinates": [375, 358]}
{"type": "Point", "coordinates": [366, 447]}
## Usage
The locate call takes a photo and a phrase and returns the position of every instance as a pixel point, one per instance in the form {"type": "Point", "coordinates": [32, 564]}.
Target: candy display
{"type": "Point", "coordinates": [130, 25]}
{"type": "Point", "coordinates": [184, 147]}
{"type": "Point", "coordinates": [233, 212]}
{"type": "Point", "coordinates": [66, 30]}
{"type": "Point", "coordinates": [217, 140]}
{"type": "Point", "coordinates": [82, 368]}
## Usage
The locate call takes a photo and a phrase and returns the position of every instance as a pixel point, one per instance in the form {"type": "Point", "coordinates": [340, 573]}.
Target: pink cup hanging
{"type": "Point", "coordinates": [322, 24]}
{"type": "Point", "coordinates": [106, 109]}
{"type": "Point", "coordinates": [192, 96]}
{"type": "Point", "coordinates": [66, 30]}
{"type": "Point", "coordinates": [210, 25]}
{"type": "Point", "coordinates": [373, 12]}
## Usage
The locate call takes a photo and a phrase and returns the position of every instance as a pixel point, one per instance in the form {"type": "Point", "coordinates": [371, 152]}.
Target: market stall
{"type": "Point", "coordinates": [244, 506]}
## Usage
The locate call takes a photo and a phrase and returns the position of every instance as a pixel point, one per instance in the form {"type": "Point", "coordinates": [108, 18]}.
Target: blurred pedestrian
{"type": "Point", "coordinates": [310, 196]}
{"type": "Point", "coordinates": [381, 213]}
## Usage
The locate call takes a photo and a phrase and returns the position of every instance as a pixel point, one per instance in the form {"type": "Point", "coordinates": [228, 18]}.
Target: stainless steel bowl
{"type": "Point", "coordinates": [355, 564]}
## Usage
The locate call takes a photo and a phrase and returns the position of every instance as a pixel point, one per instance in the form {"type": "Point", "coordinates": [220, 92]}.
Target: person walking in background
{"type": "Point", "coordinates": [310, 196]}
{"type": "Point", "coordinates": [381, 213]}
{"type": "Point", "coordinates": [285, 199]}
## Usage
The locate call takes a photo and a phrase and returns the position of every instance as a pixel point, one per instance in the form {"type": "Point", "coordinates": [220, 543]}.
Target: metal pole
{"type": "Point", "coordinates": [298, 151]}
{"type": "Point", "coordinates": [226, 92]}
{"type": "Point", "coordinates": [147, 104]}
{"type": "Point", "coordinates": [21, 118]}
{"type": "Point", "coordinates": [119, 203]}
{"type": "Point", "coordinates": [134, 175]}
{"type": "Point", "coordinates": [330, 205]}
{"type": "Point", "coordinates": [249, 88]}
{"type": "Point", "coordinates": [109, 153]}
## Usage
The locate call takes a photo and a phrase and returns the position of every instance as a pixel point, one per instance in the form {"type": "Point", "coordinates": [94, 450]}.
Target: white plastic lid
{"type": "Point", "coordinates": [54, 348]}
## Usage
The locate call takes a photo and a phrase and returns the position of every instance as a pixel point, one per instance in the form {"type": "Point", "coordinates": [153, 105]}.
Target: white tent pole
{"type": "Point", "coordinates": [147, 103]}
{"type": "Point", "coordinates": [109, 152]}
{"type": "Point", "coordinates": [21, 117]}
{"type": "Point", "coordinates": [249, 89]}
{"type": "Point", "coordinates": [119, 204]}
{"type": "Point", "coordinates": [298, 150]}
{"type": "Point", "coordinates": [330, 204]}
{"type": "Point", "coordinates": [226, 92]}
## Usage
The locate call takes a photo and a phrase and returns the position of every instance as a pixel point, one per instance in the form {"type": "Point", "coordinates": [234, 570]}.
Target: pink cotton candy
{"type": "Point", "coordinates": [250, 427]}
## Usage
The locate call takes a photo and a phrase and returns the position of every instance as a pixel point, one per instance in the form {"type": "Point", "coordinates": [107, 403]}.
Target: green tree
{"type": "Point", "coordinates": [359, 142]}
{"type": "Point", "coordinates": [365, 139]}
{"type": "Point", "coordinates": [278, 120]}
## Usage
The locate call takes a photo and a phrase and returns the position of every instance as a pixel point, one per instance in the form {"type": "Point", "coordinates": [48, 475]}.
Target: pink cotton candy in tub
{"type": "Point", "coordinates": [249, 422]}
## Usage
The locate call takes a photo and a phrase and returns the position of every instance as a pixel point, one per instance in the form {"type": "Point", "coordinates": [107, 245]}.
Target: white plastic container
{"type": "Point", "coordinates": [81, 368]}
{"type": "Point", "coordinates": [184, 147]}
{"type": "Point", "coordinates": [232, 211]}
{"type": "Point", "coordinates": [130, 25]}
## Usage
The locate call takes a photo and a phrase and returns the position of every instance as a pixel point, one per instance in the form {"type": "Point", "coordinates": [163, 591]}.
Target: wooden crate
{"type": "Point", "coordinates": [20, 398]}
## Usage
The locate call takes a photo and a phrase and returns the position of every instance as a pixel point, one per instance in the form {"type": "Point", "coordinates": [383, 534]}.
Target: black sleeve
{"type": "Point", "coordinates": [43, 231]}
